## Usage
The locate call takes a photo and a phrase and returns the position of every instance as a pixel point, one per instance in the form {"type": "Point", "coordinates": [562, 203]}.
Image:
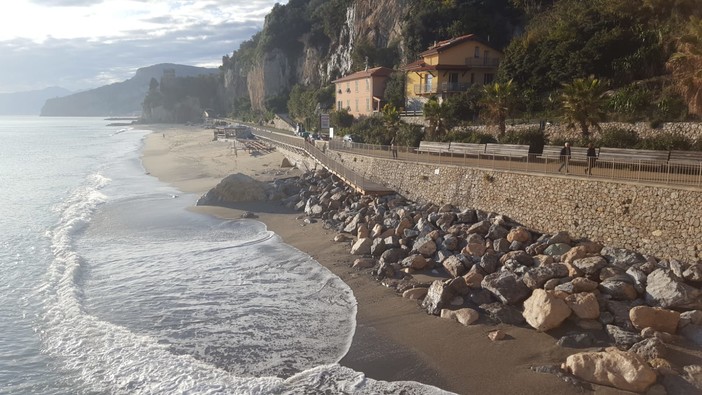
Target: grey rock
{"type": "Point", "coordinates": [557, 249]}
{"type": "Point", "coordinates": [501, 245]}
{"type": "Point", "coordinates": [425, 246]}
{"type": "Point", "coordinates": [590, 265]}
{"type": "Point", "coordinates": [650, 348]}
{"type": "Point", "coordinates": [618, 290]}
{"type": "Point", "coordinates": [437, 297]}
{"type": "Point", "coordinates": [454, 266]}
{"type": "Point", "coordinates": [480, 228]}
{"type": "Point", "coordinates": [378, 247]}
{"type": "Point", "coordinates": [506, 286]}
{"type": "Point", "coordinates": [622, 338]}
{"type": "Point", "coordinates": [480, 296]}
{"type": "Point", "coordinates": [497, 232]}
{"type": "Point", "coordinates": [489, 263]}
{"type": "Point", "coordinates": [622, 258]}
{"type": "Point", "coordinates": [536, 277]}
{"type": "Point", "coordinates": [692, 333]}
{"type": "Point", "coordinates": [503, 313]}
{"type": "Point", "coordinates": [450, 243]}
{"type": "Point", "coordinates": [665, 289]}
{"type": "Point", "coordinates": [690, 317]}
{"type": "Point", "coordinates": [560, 238]}
{"type": "Point", "coordinates": [516, 246]}
{"type": "Point", "coordinates": [577, 340]}
{"type": "Point", "coordinates": [393, 255]}
{"type": "Point", "coordinates": [693, 273]}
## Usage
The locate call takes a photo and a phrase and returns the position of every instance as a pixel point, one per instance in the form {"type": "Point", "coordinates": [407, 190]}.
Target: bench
{"type": "Point", "coordinates": [467, 148]}
{"type": "Point", "coordinates": [507, 150]}
{"type": "Point", "coordinates": [632, 155]}
{"type": "Point", "coordinates": [433, 146]}
{"type": "Point", "coordinates": [577, 154]}
{"type": "Point", "coordinates": [685, 158]}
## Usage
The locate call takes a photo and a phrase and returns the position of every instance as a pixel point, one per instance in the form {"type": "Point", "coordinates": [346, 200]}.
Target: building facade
{"type": "Point", "coordinates": [362, 93]}
{"type": "Point", "coordinates": [448, 68]}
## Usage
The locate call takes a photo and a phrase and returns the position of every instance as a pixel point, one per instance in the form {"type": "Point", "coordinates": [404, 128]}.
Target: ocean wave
{"type": "Point", "coordinates": [216, 314]}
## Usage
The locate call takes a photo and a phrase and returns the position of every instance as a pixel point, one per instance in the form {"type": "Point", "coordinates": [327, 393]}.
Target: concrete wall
{"type": "Point", "coordinates": [660, 221]}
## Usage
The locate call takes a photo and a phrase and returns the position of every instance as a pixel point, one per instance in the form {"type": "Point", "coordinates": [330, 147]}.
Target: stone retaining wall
{"type": "Point", "coordinates": [691, 130]}
{"type": "Point", "coordinates": [660, 221]}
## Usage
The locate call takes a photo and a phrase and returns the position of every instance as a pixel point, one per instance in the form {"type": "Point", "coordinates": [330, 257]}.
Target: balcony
{"type": "Point", "coordinates": [483, 62]}
{"type": "Point", "coordinates": [444, 87]}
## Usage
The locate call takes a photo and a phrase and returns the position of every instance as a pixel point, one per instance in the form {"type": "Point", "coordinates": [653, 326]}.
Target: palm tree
{"type": "Point", "coordinates": [686, 66]}
{"type": "Point", "coordinates": [497, 103]}
{"type": "Point", "coordinates": [434, 112]}
{"type": "Point", "coordinates": [583, 104]}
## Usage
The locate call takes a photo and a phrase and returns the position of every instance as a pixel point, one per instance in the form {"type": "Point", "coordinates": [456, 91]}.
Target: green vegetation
{"type": "Point", "coordinates": [583, 102]}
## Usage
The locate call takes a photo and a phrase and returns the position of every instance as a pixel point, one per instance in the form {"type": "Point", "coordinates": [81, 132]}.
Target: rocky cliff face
{"type": "Point", "coordinates": [378, 23]}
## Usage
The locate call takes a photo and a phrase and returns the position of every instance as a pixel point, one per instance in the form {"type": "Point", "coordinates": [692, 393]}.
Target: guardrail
{"type": "Point", "coordinates": [649, 172]}
{"type": "Point", "coordinates": [358, 181]}
{"type": "Point", "coordinates": [642, 171]}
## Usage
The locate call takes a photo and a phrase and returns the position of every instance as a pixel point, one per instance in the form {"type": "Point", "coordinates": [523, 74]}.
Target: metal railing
{"type": "Point", "coordinates": [640, 171]}
{"type": "Point", "coordinates": [299, 144]}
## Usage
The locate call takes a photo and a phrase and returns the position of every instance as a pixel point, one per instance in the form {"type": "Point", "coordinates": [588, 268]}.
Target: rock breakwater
{"type": "Point", "coordinates": [628, 310]}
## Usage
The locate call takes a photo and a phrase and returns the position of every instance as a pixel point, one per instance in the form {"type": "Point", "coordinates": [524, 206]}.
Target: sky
{"type": "Point", "coordinates": [84, 44]}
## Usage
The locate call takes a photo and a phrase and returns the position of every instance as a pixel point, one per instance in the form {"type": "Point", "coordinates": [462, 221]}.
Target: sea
{"type": "Point", "coordinates": [109, 285]}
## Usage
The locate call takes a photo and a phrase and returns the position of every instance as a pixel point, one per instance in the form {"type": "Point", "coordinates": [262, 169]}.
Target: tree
{"type": "Point", "coordinates": [391, 118]}
{"type": "Point", "coordinates": [686, 66]}
{"type": "Point", "coordinates": [583, 102]}
{"type": "Point", "coordinates": [434, 113]}
{"type": "Point", "coordinates": [497, 103]}
{"type": "Point", "coordinates": [395, 89]}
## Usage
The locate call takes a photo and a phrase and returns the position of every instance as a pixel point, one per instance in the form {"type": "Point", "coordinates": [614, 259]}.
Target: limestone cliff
{"type": "Point", "coordinates": [273, 72]}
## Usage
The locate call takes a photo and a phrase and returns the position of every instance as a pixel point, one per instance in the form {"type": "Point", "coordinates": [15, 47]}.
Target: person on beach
{"type": "Point", "coordinates": [591, 158]}
{"type": "Point", "coordinates": [393, 148]}
{"type": "Point", "coordinates": [565, 157]}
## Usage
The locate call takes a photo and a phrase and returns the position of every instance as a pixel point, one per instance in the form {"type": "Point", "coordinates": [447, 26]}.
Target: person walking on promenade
{"type": "Point", "coordinates": [591, 158]}
{"type": "Point", "coordinates": [565, 157]}
{"type": "Point", "coordinates": [393, 148]}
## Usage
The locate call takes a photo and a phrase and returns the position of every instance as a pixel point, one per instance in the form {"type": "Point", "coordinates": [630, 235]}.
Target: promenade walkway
{"type": "Point", "coordinates": [639, 172]}
{"type": "Point", "coordinates": [361, 184]}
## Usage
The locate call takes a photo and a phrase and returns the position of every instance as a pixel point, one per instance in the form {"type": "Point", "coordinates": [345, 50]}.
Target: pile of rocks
{"type": "Point", "coordinates": [500, 271]}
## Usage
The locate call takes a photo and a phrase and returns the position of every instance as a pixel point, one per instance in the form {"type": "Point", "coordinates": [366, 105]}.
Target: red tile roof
{"type": "Point", "coordinates": [374, 72]}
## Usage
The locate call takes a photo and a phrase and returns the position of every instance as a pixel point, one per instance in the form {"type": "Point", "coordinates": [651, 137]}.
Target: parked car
{"type": "Point", "coordinates": [350, 138]}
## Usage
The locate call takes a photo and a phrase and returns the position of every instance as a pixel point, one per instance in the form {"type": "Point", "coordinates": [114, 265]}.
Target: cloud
{"type": "Point", "coordinates": [66, 3]}
{"type": "Point", "coordinates": [199, 35]}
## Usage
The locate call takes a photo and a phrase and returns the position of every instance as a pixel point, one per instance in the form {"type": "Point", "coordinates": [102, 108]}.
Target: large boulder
{"type": "Point", "coordinates": [234, 188]}
{"type": "Point", "coordinates": [536, 277]}
{"type": "Point", "coordinates": [623, 370]}
{"type": "Point", "coordinates": [544, 311]}
{"type": "Point", "coordinates": [661, 320]}
{"type": "Point", "coordinates": [520, 234]}
{"type": "Point", "coordinates": [590, 265]}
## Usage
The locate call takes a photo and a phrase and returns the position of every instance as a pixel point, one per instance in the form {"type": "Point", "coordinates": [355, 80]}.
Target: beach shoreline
{"type": "Point", "coordinates": [395, 339]}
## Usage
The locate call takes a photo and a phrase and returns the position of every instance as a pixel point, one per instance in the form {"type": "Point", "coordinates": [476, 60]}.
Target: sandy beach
{"type": "Point", "coordinates": [395, 339]}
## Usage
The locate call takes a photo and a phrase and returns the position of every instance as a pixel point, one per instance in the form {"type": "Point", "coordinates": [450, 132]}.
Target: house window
{"type": "Point", "coordinates": [356, 85]}
{"type": "Point", "coordinates": [485, 57]}
{"type": "Point", "coordinates": [367, 84]}
{"type": "Point", "coordinates": [488, 78]}
{"type": "Point", "coordinates": [339, 105]}
{"type": "Point", "coordinates": [453, 81]}
{"type": "Point", "coordinates": [477, 52]}
{"type": "Point", "coordinates": [427, 83]}
{"type": "Point", "coordinates": [472, 78]}
{"type": "Point", "coordinates": [367, 104]}
{"type": "Point", "coordinates": [348, 87]}
{"type": "Point", "coordinates": [348, 105]}
{"type": "Point", "coordinates": [356, 105]}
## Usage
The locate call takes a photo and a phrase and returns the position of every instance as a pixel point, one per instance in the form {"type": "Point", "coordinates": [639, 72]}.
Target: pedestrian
{"type": "Point", "coordinates": [591, 158]}
{"type": "Point", "coordinates": [393, 148]}
{"type": "Point", "coordinates": [565, 157]}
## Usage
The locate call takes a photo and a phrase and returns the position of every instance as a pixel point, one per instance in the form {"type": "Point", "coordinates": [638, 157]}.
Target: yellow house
{"type": "Point", "coordinates": [362, 93]}
{"type": "Point", "coordinates": [450, 67]}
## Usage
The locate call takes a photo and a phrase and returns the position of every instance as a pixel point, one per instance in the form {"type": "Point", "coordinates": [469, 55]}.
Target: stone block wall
{"type": "Point", "coordinates": [656, 220]}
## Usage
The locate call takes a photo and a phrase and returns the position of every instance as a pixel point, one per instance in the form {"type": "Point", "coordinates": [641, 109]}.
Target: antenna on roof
{"type": "Point", "coordinates": [366, 63]}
